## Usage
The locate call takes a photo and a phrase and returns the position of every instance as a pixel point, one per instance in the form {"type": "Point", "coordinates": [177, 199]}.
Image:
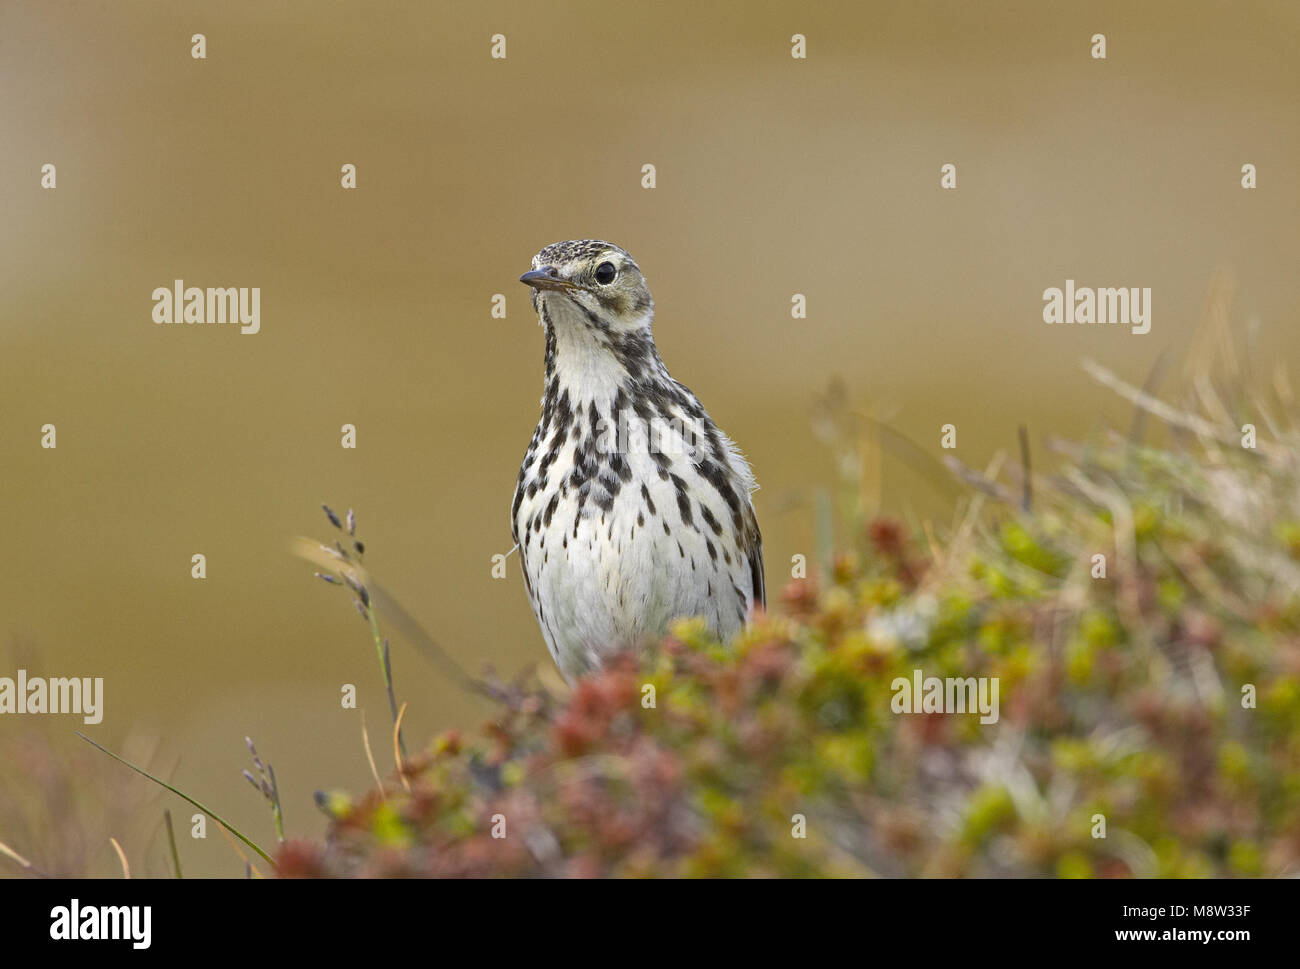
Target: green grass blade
{"type": "Point", "coordinates": [181, 794]}
{"type": "Point", "coordinates": [171, 840]}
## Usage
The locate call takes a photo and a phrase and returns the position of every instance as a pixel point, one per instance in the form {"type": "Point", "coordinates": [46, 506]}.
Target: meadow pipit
{"type": "Point", "coordinates": [632, 508]}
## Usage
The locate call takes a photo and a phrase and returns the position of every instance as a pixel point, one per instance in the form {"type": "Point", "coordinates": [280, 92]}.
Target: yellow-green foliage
{"type": "Point", "coordinates": [1121, 699]}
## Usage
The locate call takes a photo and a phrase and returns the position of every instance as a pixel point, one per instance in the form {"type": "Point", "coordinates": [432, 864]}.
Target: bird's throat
{"type": "Point", "coordinates": [589, 357]}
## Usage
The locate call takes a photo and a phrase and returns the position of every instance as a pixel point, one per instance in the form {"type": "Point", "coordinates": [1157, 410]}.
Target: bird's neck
{"type": "Point", "coordinates": [591, 359]}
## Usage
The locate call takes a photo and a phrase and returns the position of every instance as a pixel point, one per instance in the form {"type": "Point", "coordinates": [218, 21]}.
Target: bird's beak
{"type": "Point", "coordinates": [546, 278]}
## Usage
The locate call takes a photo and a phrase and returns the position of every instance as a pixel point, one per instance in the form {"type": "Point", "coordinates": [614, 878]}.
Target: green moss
{"type": "Point", "coordinates": [1074, 864]}
{"type": "Point", "coordinates": [387, 827]}
{"type": "Point", "coordinates": [1118, 696]}
{"type": "Point", "coordinates": [989, 809]}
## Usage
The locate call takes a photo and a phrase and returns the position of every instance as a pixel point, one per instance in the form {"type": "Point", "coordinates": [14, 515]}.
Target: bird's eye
{"type": "Point", "coordinates": [605, 273]}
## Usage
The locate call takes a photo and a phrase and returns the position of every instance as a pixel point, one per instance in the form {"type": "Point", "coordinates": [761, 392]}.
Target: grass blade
{"type": "Point", "coordinates": [183, 796]}
{"type": "Point", "coordinates": [171, 840]}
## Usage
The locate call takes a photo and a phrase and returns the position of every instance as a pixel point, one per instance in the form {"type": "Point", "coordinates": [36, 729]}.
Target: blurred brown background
{"type": "Point", "coordinates": [775, 176]}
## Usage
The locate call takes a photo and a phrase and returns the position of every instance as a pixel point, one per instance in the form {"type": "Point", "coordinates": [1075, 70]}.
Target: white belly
{"type": "Point", "coordinates": [603, 578]}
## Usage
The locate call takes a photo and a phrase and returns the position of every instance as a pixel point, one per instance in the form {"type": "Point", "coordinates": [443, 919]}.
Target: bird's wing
{"type": "Point", "coordinates": [756, 562]}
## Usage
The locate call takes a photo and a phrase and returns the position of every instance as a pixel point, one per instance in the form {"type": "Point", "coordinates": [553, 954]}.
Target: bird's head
{"type": "Point", "coordinates": [594, 281]}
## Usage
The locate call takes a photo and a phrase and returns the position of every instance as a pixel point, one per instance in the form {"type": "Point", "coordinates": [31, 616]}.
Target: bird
{"type": "Point", "coordinates": [632, 508]}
